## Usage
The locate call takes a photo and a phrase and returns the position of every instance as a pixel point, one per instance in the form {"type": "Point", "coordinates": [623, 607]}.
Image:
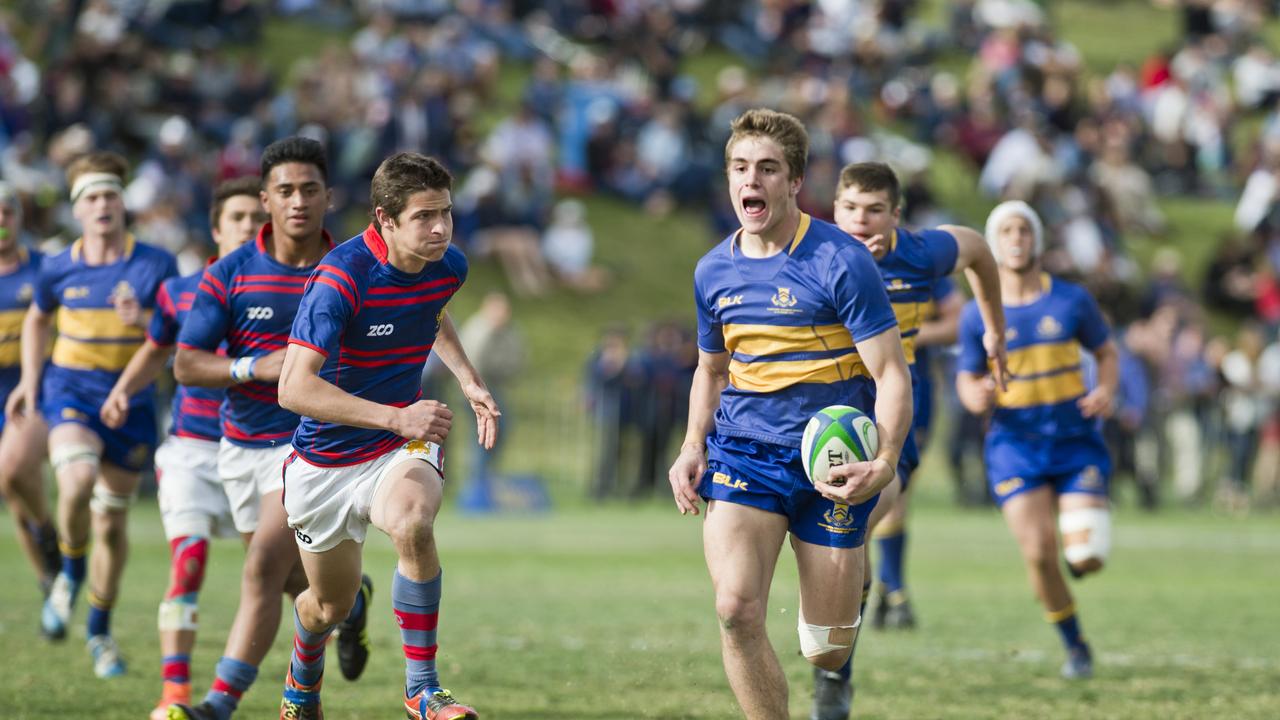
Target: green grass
{"type": "Point", "coordinates": [607, 614]}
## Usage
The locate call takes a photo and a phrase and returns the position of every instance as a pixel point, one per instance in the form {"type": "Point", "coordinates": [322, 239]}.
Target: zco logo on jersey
{"type": "Point", "coordinates": [302, 537]}
{"type": "Point", "coordinates": [261, 312]}
{"type": "Point", "coordinates": [381, 330]}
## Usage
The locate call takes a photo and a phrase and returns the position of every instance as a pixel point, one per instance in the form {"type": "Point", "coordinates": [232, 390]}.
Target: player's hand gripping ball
{"type": "Point", "coordinates": [837, 435]}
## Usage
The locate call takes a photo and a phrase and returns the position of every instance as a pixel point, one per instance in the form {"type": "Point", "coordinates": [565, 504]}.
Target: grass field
{"type": "Point", "coordinates": [606, 614]}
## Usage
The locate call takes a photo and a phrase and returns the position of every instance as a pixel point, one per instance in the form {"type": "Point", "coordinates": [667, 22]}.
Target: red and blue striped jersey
{"type": "Point", "coordinates": [195, 409]}
{"type": "Point", "coordinates": [93, 344]}
{"type": "Point", "coordinates": [375, 325]}
{"type": "Point", "coordinates": [247, 300]}
{"type": "Point", "coordinates": [16, 291]}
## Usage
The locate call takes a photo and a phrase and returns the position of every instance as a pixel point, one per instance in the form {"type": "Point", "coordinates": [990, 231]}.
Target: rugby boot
{"type": "Point", "coordinates": [58, 606]}
{"type": "Point", "coordinates": [174, 693]}
{"type": "Point", "coordinates": [832, 696]}
{"type": "Point", "coordinates": [300, 702]}
{"type": "Point", "coordinates": [1079, 664]}
{"type": "Point", "coordinates": [107, 661]}
{"type": "Point", "coordinates": [353, 636]}
{"type": "Point", "coordinates": [898, 613]}
{"type": "Point", "coordinates": [436, 704]}
{"type": "Point", "coordinates": [183, 711]}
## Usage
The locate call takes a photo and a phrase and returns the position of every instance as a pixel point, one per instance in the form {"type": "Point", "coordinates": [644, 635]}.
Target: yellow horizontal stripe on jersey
{"type": "Point", "coordinates": [774, 339]}
{"type": "Point", "coordinates": [911, 315]}
{"type": "Point", "coordinates": [78, 355]}
{"type": "Point", "coordinates": [1049, 390]}
{"type": "Point", "coordinates": [99, 324]}
{"type": "Point", "coordinates": [10, 352]}
{"type": "Point", "coordinates": [11, 321]}
{"type": "Point", "coordinates": [764, 376]}
{"type": "Point", "coordinates": [1044, 358]}
{"type": "Point", "coordinates": [909, 349]}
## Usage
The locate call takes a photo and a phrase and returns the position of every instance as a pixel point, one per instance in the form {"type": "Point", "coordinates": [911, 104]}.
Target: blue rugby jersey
{"type": "Point", "coordinates": [16, 291]}
{"type": "Point", "coordinates": [375, 325]}
{"type": "Point", "coordinates": [93, 345]}
{"type": "Point", "coordinates": [248, 300]}
{"type": "Point", "coordinates": [1046, 378]}
{"type": "Point", "coordinates": [790, 323]}
{"type": "Point", "coordinates": [195, 409]}
{"type": "Point", "coordinates": [915, 263]}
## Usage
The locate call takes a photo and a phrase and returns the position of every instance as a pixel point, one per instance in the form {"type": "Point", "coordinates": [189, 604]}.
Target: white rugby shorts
{"type": "Point", "coordinates": [192, 501]}
{"type": "Point", "coordinates": [327, 505]}
{"type": "Point", "coordinates": [247, 474]}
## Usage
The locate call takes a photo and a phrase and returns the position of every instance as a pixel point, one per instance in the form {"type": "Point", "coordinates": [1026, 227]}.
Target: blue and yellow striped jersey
{"type": "Point", "coordinates": [790, 323]}
{"type": "Point", "coordinates": [93, 344]}
{"type": "Point", "coordinates": [915, 263]}
{"type": "Point", "coordinates": [1046, 376]}
{"type": "Point", "coordinates": [16, 290]}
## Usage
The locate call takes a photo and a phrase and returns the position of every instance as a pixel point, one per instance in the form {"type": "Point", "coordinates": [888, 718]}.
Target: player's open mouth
{"type": "Point", "coordinates": [753, 207]}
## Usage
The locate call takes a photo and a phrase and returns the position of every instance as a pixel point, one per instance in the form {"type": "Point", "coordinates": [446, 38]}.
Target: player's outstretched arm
{"type": "Point", "coordinates": [454, 357]}
{"type": "Point", "coordinates": [201, 368]}
{"type": "Point", "coordinates": [34, 344]}
{"type": "Point", "coordinates": [974, 256]}
{"type": "Point", "coordinates": [141, 371]}
{"type": "Point", "coordinates": [709, 380]}
{"type": "Point", "coordinates": [304, 392]}
{"type": "Point", "coordinates": [882, 354]}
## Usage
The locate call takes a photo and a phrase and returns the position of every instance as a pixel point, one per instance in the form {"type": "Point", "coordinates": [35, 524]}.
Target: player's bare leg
{"type": "Point", "coordinates": [1081, 501]}
{"type": "Point", "coordinates": [1031, 517]}
{"type": "Point", "coordinates": [22, 450]}
{"type": "Point", "coordinates": [741, 545]}
{"type": "Point", "coordinates": [74, 453]}
{"type": "Point", "coordinates": [112, 496]}
{"type": "Point", "coordinates": [405, 507]}
{"type": "Point", "coordinates": [271, 558]}
{"type": "Point", "coordinates": [893, 607]}
{"type": "Point", "coordinates": [334, 577]}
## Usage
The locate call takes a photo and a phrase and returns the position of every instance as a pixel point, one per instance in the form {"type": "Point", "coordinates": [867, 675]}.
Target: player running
{"type": "Point", "coordinates": [101, 291]}
{"type": "Point", "coordinates": [245, 304]}
{"type": "Point", "coordinates": [193, 507]}
{"type": "Point", "coordinates": [792, 317]}
{"type": "Point", "coordinates": [1044, 453]}
{"type": "Point", "coordinates": [368, 448]}
{"type": "Point", "coordinates": [868, 207]}
{"type": "Point", "coordinates": [22, 444]}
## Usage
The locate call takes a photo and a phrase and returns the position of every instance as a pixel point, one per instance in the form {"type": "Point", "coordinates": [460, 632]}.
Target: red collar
{"type": "Point", "coordinates": [373, 240]}
{"type": "Point", "coordinates": [266, 230]}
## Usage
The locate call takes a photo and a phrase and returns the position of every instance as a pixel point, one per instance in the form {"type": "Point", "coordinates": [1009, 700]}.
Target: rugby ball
{"type": "Point", "coordinates": [836, 435]}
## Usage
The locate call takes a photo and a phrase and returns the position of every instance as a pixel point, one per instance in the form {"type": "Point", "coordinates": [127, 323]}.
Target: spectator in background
{"type": "Point", "coordinates": [568, 245]}
{"type": "Point", "coordinates": [611, 392]}
{"type": "Point", "coordinates": [1244, 406]}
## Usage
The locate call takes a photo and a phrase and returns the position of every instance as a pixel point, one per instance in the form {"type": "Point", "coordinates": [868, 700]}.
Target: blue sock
{"type": "Point", "coordinates": [417, 609]}
{"type": "Point", "coordinates": [1069, 628]}
{"type": "Point", "coordinates": [74, 563]}
{"type": "Point", "coordinates": [358, 609]}
{"type": "Point", "coordinates": [99, 616]}
{"type": "Point", "coordinates": [846, 670]}
{"type": "Point", "coordinates": [232, 679]}
{"type": "Point", "coordinates": [892, 548]}
{"type": "Point", "coordinates": [307, 662]}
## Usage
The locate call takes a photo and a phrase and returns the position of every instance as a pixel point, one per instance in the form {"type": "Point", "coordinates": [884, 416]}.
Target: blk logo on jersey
{"type": "Point", "coordinates": [381, 330]}
{"type": "Point", "coordinates": [260, 312]}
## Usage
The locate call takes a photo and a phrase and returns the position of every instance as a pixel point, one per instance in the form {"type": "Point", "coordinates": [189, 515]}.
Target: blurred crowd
{"type": "Point", "coordinates": [193, 89]}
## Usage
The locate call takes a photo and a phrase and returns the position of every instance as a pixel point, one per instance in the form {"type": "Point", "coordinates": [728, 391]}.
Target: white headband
{"type": "Point", "coordinates": [95, 179]}
{"type": "Point", "coordinates": [1006, 210]}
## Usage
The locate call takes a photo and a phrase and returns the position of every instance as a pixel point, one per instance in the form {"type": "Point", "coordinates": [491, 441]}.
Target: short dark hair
{"type": "Point", "coordinates": [248, 185]}
{"type": "Point", "coordinates": [295, 149]}
{"type": "Point", "coordinates": [784, 129]}
{"type": "Point", "coordinates": [872, 177]}
{"type": "Point", "coordinates": [402, 175]}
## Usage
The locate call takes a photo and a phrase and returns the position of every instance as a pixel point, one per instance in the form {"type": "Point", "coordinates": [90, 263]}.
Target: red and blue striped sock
{"type": "Point", "coordinates": [176, 668]}
{"type": "Point", "coordinates": [417, 609]}
{"type": "Point", "coordinates": [232, 679]}
{"type": "Point", "coordinates": [307, 663]}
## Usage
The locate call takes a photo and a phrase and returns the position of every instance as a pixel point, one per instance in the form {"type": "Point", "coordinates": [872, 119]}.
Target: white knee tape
{"type": "Point", "coordinates": [177, 615]}
{"type": "Point", "coordinates": [105, 501]}
{"type": "Point", "coordinates": [818, 640]}
{"type": "Point", "coordinates": [64, 455]}
{"type": "Point", "coordinates": [1096, 524]}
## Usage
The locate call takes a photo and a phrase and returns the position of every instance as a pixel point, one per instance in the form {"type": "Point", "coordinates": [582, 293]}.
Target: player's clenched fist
{"type": "Point", "coordinates": [115, 410]}
{"type": "Point", "coordinates": [424, 420]}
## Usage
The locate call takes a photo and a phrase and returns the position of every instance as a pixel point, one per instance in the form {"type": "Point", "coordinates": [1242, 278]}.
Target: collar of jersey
{"type": "Point", "coordinates": [261, 241]}
{"type": "Point", "coordinates": [801, 229]}
{"type": "Point", "coordinates": [129, 243]}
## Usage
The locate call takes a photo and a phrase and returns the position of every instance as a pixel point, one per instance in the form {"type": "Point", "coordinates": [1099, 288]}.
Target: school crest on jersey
{"type": "Point", "coordinates": [784, 298]}
{"type": "Point", "coordinates": [1048, 327]}
{"type": "Point", "coordinates": [25, 293]}
{"type": "Point", "coordinates": [123, 291]}
{"type": "Point", "coordinates": [1010, 334]}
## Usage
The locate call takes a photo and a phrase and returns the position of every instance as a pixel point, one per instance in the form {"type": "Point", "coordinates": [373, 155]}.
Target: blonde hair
{"type": "Point", "coordinates": [784, 129]}
{"type": "Point", "coordinates": [97, 162]}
